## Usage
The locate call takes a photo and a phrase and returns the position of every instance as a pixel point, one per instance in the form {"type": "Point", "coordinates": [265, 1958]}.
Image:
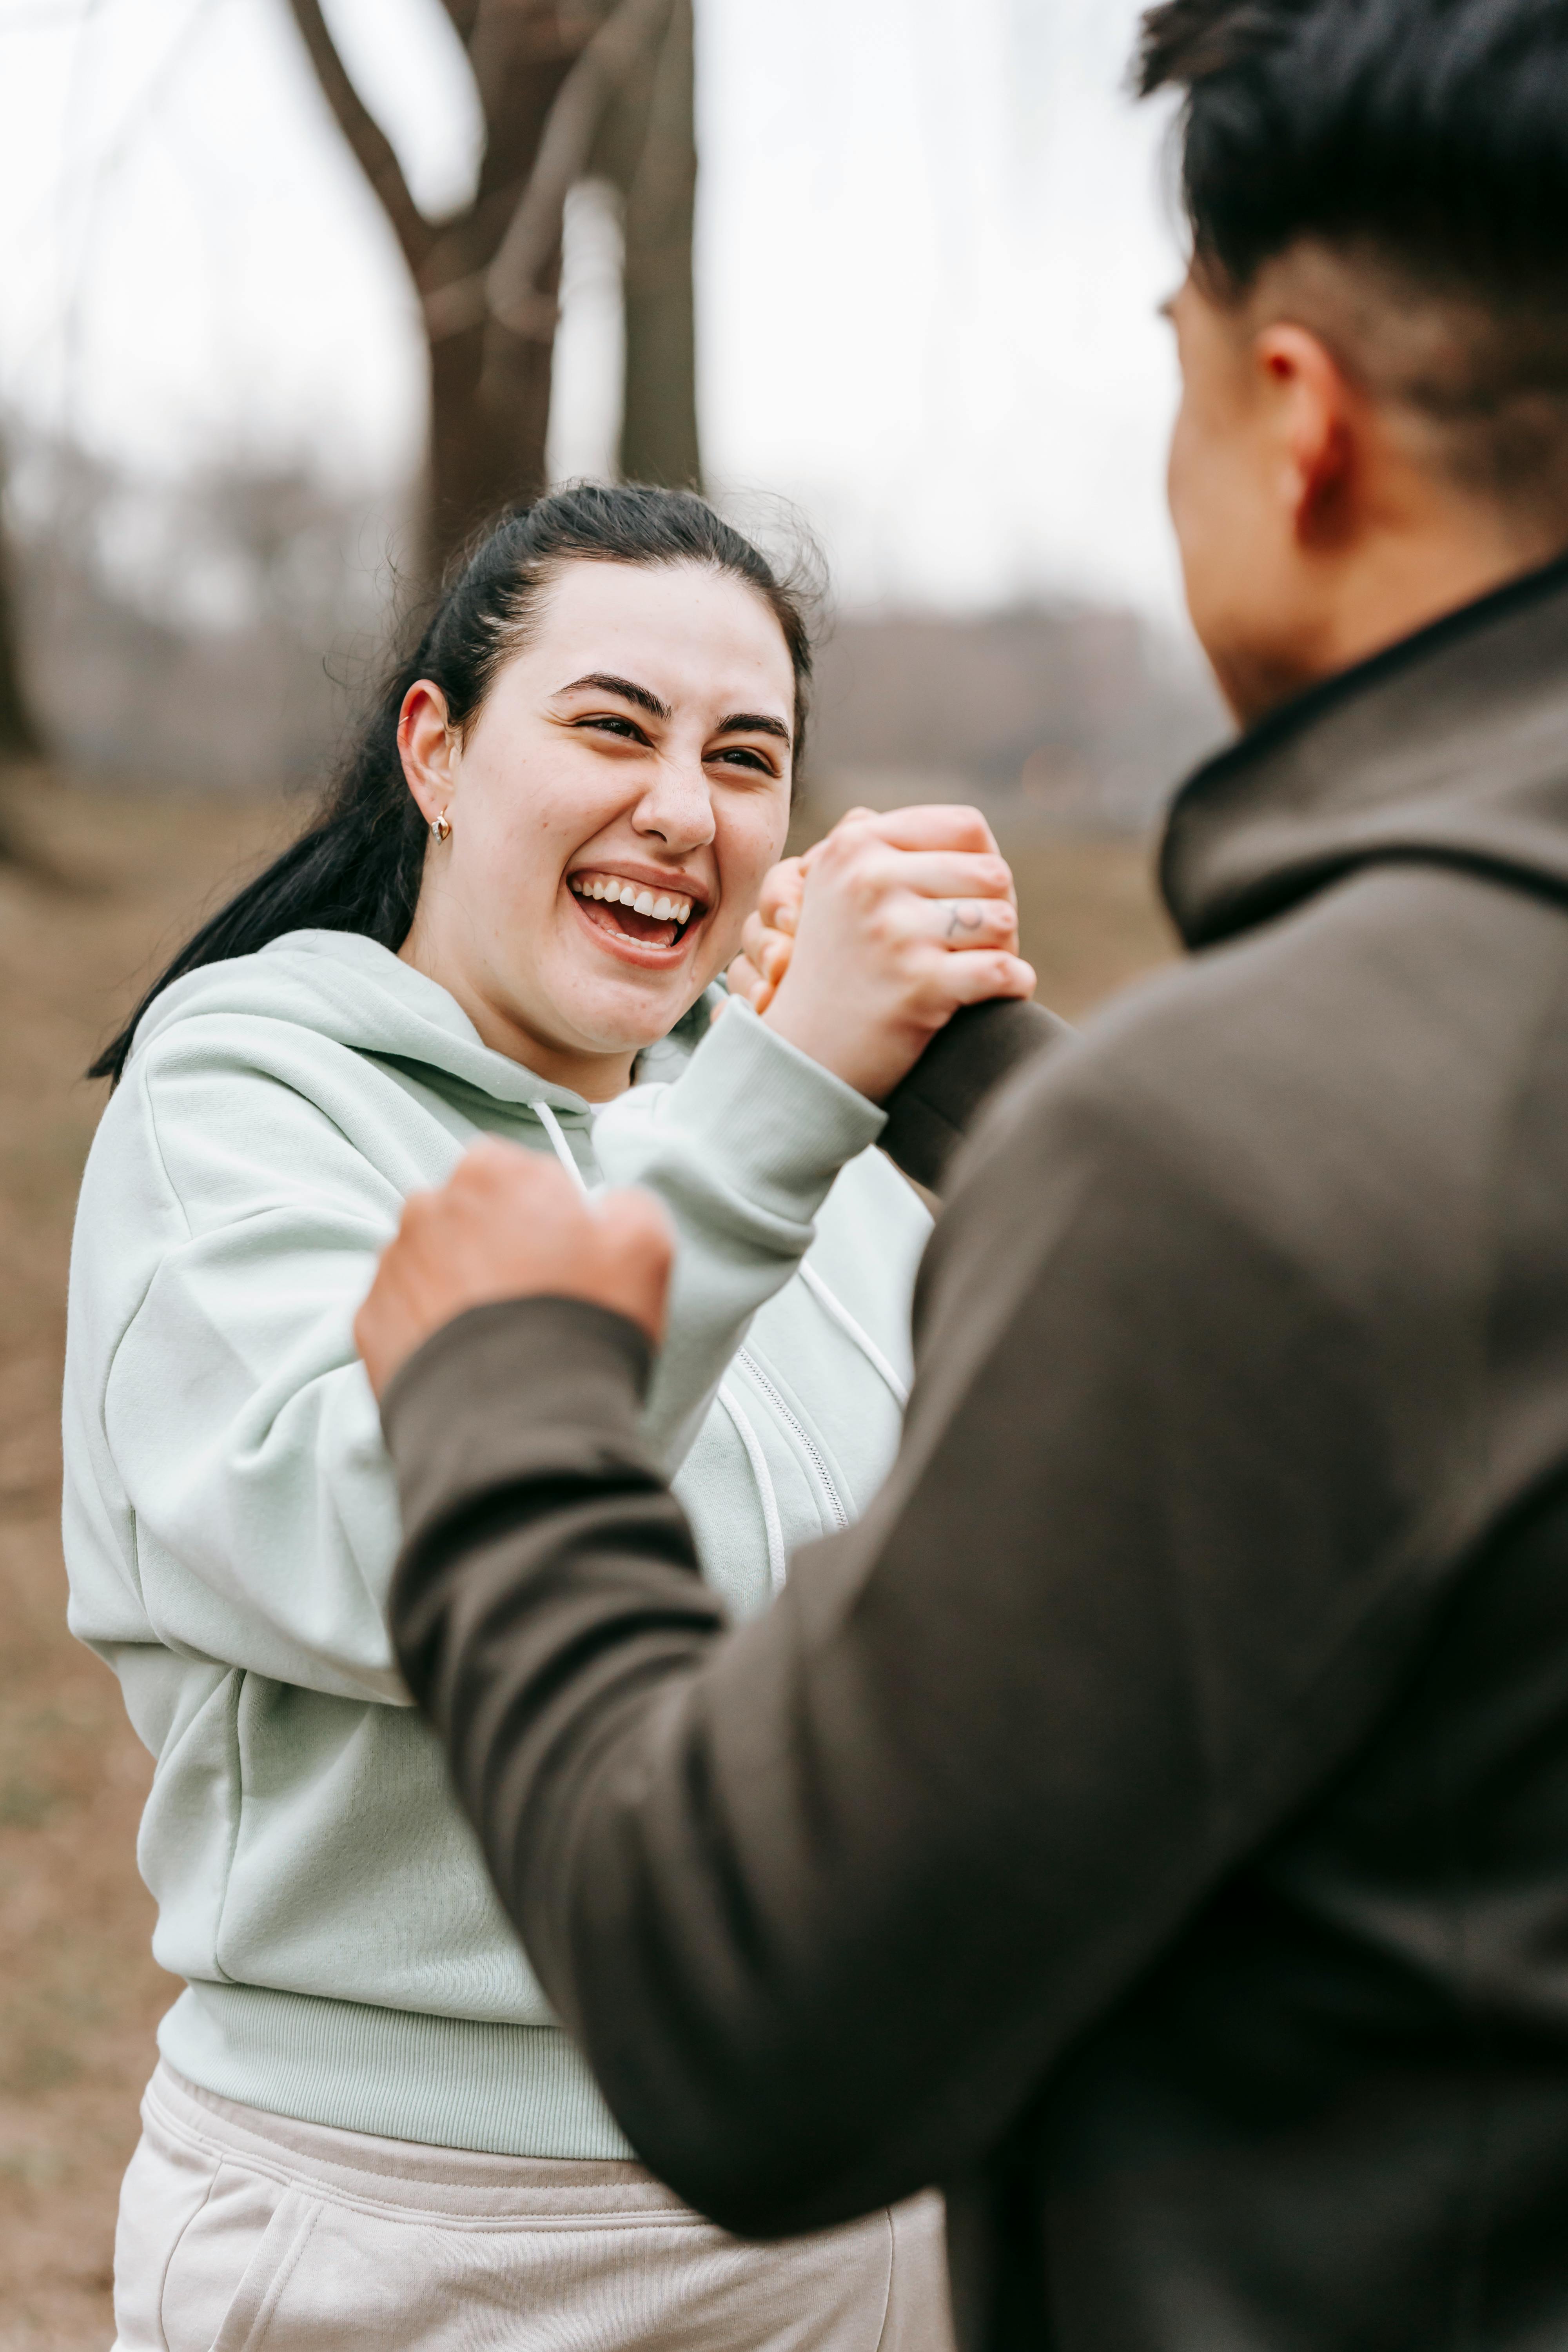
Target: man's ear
{"type": "Point", "coordinates": [1316, 415]}
{"type": "Point", "coordinates": [429, 749]}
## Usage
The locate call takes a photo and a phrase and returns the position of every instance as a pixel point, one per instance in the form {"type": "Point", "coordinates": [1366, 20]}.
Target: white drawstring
{"type": "Point", "coordinates": [553, 1129]}
{"type": "Point", "coordinates": [752, 1443]}
{"type": "Point", "coordinates": [763, 1477]}
{"type": "Point", "coordinates": [863, 1340]}
{"type": "Point", "coordinates": [758, 1460]}
{"type": "Point", "coordinates": [771, 1522]}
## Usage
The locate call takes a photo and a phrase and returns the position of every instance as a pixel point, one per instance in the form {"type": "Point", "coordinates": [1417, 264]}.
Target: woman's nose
{"type": "Point", "coordinates": [678, 807]}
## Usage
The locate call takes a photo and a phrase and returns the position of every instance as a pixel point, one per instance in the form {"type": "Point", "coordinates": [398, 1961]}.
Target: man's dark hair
{"type": "Point", "coordinates": [1422, 145]}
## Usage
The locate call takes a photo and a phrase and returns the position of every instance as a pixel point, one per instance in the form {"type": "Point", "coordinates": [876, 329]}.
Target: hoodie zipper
{"type": "Point", "coordinates": [812, 1453]}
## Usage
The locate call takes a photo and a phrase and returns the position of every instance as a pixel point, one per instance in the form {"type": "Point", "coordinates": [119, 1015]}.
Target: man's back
{"type": "Point", "coordinates": [1329, 1158]}
{"type": "Point", "coordinates": [1336, 2111]}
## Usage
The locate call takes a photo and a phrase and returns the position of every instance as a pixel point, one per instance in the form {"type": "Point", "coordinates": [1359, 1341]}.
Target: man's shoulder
{"type": "Point", "coordinates": [1344, 1078]}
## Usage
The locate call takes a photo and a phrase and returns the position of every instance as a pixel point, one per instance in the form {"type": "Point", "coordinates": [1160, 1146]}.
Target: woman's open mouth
{"type": "Point", "coordinates": [636, 912]}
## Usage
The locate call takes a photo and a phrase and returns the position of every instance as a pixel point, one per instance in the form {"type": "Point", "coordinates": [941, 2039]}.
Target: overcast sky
{"type": "Point", "coordinates": [931, 239]}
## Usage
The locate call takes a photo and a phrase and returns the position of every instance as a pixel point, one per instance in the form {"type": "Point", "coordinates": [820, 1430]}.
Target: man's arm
{"type": "Point", "coordinates": [932, 1111]}
{"type": "Point", "coordinates": [826, 1898]}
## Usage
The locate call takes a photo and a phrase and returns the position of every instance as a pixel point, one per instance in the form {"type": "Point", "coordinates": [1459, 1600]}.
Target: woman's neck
{"type": "Point", "coordinates": [597, 1076]}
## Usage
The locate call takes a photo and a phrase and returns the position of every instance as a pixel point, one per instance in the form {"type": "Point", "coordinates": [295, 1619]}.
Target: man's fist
{"type": "Point", "coordinates": [511, 1224]}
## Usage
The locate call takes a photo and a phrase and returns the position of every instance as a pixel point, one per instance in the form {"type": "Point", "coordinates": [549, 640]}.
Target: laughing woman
{"type": "Point", "coordinates": [365, 2128]}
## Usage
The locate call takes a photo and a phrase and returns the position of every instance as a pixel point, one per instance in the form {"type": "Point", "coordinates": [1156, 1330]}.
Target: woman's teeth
{"type": "Point", "coordinates": [635, 894]}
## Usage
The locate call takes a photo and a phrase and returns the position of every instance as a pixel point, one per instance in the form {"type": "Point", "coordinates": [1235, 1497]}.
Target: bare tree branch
{"type": "Point", "coordinates": [658, 416]}
{"type": "Point", "coordinates": [510, 292]}
{"type": "Point", "coordinates": [627, 39]}
{"type": "Point", "coordinates": [372, 147]}
{"type": "Point", "coordinates": [516, 50]}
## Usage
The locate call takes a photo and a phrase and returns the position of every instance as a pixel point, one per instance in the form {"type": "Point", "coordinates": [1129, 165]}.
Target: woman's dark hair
{"type": "Point", "coordinates": [358, 866]}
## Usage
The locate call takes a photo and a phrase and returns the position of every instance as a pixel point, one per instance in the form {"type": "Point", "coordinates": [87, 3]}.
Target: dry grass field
{"type": "Point", "coordinates": [79, 1995]}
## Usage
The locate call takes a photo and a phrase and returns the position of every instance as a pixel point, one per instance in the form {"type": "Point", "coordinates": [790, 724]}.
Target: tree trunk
{"type": "Point", "coordinates": [556, 85]}
{"type": "Point", "coordinates": [489, 413]}
{"type": "Point", "coordinates": [20, 736]}
{"type": "Point", "coordinates": [659, 429]}
{"type": "Point", "coordinates": [490, 389]}
{"type": "Point", "coordinates": [20, 740]}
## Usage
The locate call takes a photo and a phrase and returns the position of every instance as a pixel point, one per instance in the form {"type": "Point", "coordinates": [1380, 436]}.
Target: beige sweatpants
{"type": "Point", "coordinates": [241, 2232]}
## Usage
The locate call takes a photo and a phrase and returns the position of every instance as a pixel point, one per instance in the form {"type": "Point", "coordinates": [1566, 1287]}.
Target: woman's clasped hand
{"type": "Point", "coordinates": [861, 950]}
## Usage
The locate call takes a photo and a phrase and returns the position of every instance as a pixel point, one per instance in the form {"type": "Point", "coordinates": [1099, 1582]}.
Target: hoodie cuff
{"type": "Point", "coordinates": [932, 1111]}
{"type": "Point", "coordinates": [776, 1124]}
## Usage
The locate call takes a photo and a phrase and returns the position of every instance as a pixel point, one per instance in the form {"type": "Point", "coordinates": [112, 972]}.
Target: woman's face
{"type": "Point", "coordinates": [613, 809]}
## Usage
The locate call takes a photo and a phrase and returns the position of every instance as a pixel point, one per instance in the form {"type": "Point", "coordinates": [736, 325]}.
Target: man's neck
{"type": "Point", "coordinates": [1388, 592]}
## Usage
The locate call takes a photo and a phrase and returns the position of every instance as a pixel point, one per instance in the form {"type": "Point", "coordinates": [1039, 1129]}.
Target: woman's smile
{"type": "Point", "coordinates": [647, 918]}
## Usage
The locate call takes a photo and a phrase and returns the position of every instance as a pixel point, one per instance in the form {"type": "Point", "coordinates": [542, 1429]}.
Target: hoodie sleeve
{"type": "Point", "coordinates": [742, 1150]}
{"type": "Point", "coordinates": [236, 1413]}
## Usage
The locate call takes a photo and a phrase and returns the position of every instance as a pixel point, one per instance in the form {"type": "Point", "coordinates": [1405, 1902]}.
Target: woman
{"type": "Point", "coordinates": [365, 2126]}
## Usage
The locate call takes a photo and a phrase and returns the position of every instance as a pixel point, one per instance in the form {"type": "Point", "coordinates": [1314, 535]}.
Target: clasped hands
{"type": "Point", "coordinates": [860, 951]}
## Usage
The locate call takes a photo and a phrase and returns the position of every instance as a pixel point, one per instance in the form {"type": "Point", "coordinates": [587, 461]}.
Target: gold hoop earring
{"type": "Point", "coordinates": [440, 827]}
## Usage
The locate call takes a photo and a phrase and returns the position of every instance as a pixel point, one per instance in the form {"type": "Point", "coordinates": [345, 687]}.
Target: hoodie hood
{"type": "Point", "coordinates": [1451, 746]}
{"type": "Point", "coordinates": [350, 990]}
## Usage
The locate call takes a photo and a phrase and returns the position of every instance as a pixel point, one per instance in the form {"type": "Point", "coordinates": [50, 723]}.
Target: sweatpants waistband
{"type": "Point", "coordinates": [365, 2168]}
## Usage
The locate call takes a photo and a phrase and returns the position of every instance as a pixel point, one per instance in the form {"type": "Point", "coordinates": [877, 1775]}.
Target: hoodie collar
{"type": "Point", "coordinates": [348, 989]}
{"type": "Point", "coordinates": [1451, 746]}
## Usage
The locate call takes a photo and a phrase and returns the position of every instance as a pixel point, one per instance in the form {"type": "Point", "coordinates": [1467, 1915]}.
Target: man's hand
{"type": "Point", "coordinates": [862, 950]}
{"type": "Point", "coordinates": [511, 1224]}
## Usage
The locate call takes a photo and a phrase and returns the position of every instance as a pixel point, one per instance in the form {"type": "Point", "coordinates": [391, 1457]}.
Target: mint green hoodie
{"type": "Point", "coordinates": [230, 1520]}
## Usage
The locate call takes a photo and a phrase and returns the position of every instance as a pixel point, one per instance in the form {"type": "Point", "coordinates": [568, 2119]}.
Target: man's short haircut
{"type": "Point", "coordinates": [1407, 160]}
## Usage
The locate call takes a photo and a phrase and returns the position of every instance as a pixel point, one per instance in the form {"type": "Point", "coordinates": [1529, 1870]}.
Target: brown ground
{"type": "Point", "coordinates": [79, 1992]}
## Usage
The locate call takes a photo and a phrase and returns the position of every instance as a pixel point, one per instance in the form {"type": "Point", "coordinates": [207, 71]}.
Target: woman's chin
{"type": "Point", "coordinates": [615, 1005]}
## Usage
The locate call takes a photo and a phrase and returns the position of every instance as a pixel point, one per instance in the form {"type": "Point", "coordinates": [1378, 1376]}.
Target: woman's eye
{"type": "Point", "coordinates": [738, 756]}
{"type": "Point", "coordinates": [609, 722]}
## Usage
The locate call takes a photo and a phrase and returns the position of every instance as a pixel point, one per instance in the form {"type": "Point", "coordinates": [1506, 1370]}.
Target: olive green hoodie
{"type": "Point", "coordinates": [231, 1521]}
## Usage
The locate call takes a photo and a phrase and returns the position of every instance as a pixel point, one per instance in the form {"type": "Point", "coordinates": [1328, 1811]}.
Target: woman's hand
{"type": "Point", "coordinates": [864, 948]}
{"type": "Point", "coordinates": [769, 936]}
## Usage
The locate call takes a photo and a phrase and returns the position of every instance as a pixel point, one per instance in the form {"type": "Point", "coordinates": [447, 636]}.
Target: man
{"type": "Point", "coordinates": [1151, 1822]}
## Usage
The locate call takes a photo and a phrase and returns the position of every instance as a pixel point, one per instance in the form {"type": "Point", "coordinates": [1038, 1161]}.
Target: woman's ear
{"type": "Point", "coordinates": [429, 749]}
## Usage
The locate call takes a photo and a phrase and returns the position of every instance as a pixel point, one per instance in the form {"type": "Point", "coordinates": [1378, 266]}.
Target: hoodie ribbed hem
{"type": "Point", "coordinates": [441, 2082]}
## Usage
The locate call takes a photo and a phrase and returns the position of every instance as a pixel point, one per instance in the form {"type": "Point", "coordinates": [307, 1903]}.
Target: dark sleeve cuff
{"type": "Point", "coordinates": [932, 1110]}
{"type": "Point", "coordinates": [506, 1389]}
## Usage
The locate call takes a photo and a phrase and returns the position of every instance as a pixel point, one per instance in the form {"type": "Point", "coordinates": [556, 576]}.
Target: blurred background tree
{"type": "Point", "coordinates": [571, 90]}
{"type": "Point", "coordinates": [19, 737]}
{"type": "Point", "coordinates": [300, 291]}
{"type": "Point", "coordinates": [21, 743]}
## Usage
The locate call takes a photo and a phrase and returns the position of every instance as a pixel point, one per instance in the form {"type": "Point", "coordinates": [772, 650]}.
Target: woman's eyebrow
{"type": "Point", "coordinates": [628, 690]}
{"type": "Point", "coordinates": [752, 722]}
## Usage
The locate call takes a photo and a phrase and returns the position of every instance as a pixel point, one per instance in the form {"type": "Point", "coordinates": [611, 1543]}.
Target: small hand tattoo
{"type": "Point", "coordinates": [958, 920]}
